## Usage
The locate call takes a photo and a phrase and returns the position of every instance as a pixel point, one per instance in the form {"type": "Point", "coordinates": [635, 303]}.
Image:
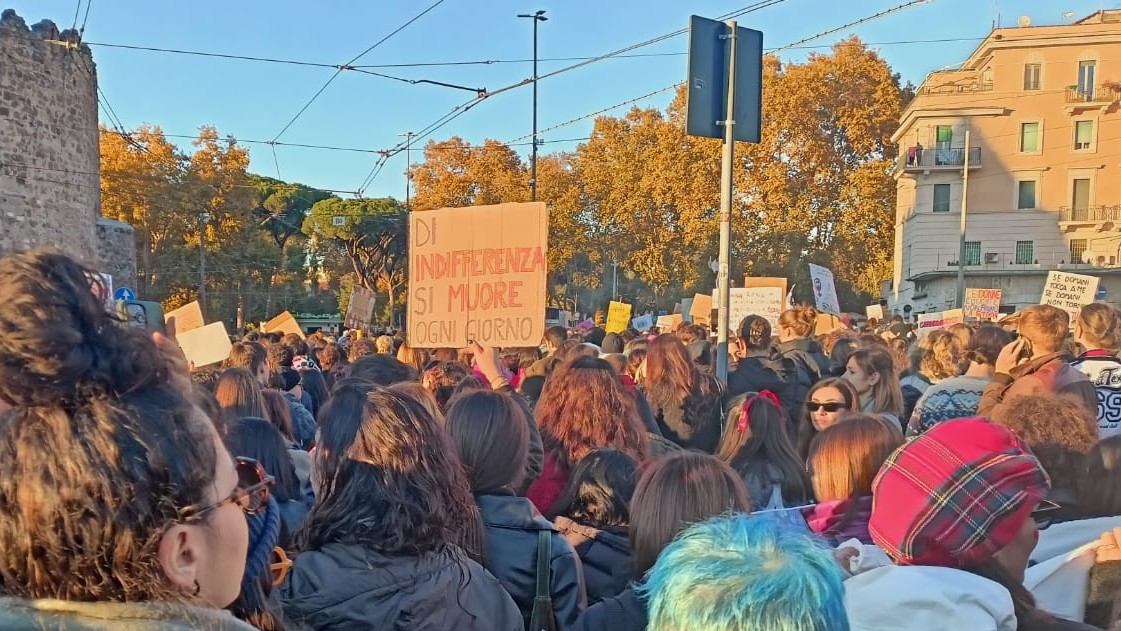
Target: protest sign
{"type": "Point", "coordinates": [478, 274]}
{"type": "Point", "coordinates": [761, 300]}
{"type": "Point", "coordinates": [1069, 292]}
{"type": "Point", "coordinates": [767, 281]}
{"type": "Point", "coordinates": [360, 311]}
{"type": "Point", "coordinates": [642, 324]}
{"type": "Point", "coordinates": [928, 322]}
{"type": "Point", "coordinates": [827, 323]}
{"type": "Point", "coordinates": [701, 309]}
{"type": "Point", "coordinates": [983, 304]}
{"type": "Point", "coordinates": [875, 311]}
{"type": "Point", "coordinates": [686, 309]}
{"type": "Point", "coordinates": [185, 318]}
{"type": "Point", "coordinates": [618, 317]}
{"type": "Point", "coordinates": [284, 323]}
{"type": "Point", "coordinates": [669, 323]}
{"type": "Point", "coordinates": [205, 345]}
{"type": "Point", "coordinates": [825, 291]}
{"type": "Point", "coordinates": [951, 317]}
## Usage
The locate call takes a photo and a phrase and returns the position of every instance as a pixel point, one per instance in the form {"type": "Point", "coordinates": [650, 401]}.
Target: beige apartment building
{"type": "Point", "coordinates": [1042, 105]}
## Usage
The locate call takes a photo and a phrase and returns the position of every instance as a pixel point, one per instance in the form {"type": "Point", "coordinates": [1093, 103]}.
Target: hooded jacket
{"type": "Point", "coordinates": [17, 614]}
{"type": "Point", "coordinates": [1046, 375]}
{"type": "Point", "coordinates": [605, 555]}
{"type": "Point", "coordinates": [930, 598]}
{"type": "Point", "coordinates": [512, 525]}
{"type": "Point", "coordinates": [351, 587]}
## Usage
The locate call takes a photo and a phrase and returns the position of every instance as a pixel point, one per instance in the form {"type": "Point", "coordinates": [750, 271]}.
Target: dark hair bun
{"type": "Point", "coordinates": [59, 347]}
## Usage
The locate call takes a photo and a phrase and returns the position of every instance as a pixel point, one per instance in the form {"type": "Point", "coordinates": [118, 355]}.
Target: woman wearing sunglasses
{"type": "Point", "coordinates": [959, 510]}
{"type": "Point", "coordinates": [828, 400]}
{"type": "Point", "coordinates": [119, 506]}
{"type": "Point", "coordinates": [394, 536]}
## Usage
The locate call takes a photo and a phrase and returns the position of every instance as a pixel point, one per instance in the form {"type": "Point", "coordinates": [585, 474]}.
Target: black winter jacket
{"type": "Point", "coordinates": [511, 526]}
{"type": "Point", "coordinates": [605, 555]}
{"type": "Point", "coordinates": [625, 612]}
{"type": "Point", "coordinates": [354, 588]}
{"type": "Point", "coordinates": [808, 365]}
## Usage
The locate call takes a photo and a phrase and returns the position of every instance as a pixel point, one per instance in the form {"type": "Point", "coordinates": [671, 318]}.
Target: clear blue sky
{"type": "Point", "coordinates": [255, 100]}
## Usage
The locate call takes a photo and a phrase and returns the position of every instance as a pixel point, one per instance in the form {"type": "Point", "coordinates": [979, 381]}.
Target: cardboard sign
{"type": "Point", "coordinates": [701, 309]}
{"type": "Point", "coordinates": [669, 323]}
{"type": "Point", "coordinates": [478, 274]}
{"type": "Point", "coordinates": [827, 323]}
{"type": "Point", "coordinates": [642, 324]}
{"type": "Point", "coordinates": [983, 304]}
{"type": "Point", "coordinates": [951, 317]}
{"type": "Point", "coordinates": [875, 311]}
{"type": "Point", "coordinates": [767, 281]}
{"type": "Point", "coordinates": [1069, 292]}
{"type": "Point", "coordinates": [185, 318]}
{"type": "Point", "coordinates": [360, 310]}
{"type": "Point", "coordinates": [825, 291]}
{"type": "Point", "coordinates": [284, 323]}
{"type": "Point", "coordinates": [205, 345]}
{"type": "Point", "coordinates": [618, 317]}
{"type": "Point", "coordinates": [928, 322]}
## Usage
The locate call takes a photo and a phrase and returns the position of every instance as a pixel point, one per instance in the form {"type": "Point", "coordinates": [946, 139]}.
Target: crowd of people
{"type": "Point", "coordinates": [968, 480]}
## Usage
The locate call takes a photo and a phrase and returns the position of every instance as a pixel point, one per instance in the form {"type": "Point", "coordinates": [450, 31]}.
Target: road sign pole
{"type": "Point", "coordinates": [726, 163]}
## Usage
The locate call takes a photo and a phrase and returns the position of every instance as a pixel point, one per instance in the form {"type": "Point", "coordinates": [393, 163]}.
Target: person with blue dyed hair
{"type": "Point", "coordinates": [739, 573]}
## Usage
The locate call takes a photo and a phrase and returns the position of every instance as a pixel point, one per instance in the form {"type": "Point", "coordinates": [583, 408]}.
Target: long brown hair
{"type": "Point", "coordinates": [845, 457]}
{"type": "Point", "coordinates": [239, 395]}
{"type": "Point", "coordinates": [679, 490]}
{"type": "Point", "coordinates": [491, 432]}
{"type": "Point", "coordinates": [806, 430]}
{"type": "Point", "coordinates": [753, 443]}
{"type": "Point", "coordinates": [671, 375]}
{"type": "Point", "coordinates": [585, 406]}
{"type": "Point", "coordinates": [279, 413]}
{"type": "Point", "coordinates": [802, 319]}
{"type": "Point", "coordinates": [886, 393]}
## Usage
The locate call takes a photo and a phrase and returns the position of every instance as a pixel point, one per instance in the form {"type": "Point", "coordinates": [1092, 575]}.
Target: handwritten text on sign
{"type": "Point", "coordinates": [478, 274]}
{"type": "Point", "coordinates": [1069, 292]}
{"type": "Point", "coordinates": [982, 303]}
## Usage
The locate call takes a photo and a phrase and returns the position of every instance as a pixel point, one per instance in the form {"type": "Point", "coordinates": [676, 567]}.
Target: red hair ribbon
{"type": "Point", "coordinates": [746, 412]}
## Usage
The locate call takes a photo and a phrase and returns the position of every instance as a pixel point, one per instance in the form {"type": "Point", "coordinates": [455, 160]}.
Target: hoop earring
{"type": "Point", "coordinates": [198, 588]}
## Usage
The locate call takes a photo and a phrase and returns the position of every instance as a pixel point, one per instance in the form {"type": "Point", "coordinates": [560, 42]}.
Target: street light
{"type": "Point", "coordinates": [204, 218]}
{"type": "Point", "coordinates": [538, 16]}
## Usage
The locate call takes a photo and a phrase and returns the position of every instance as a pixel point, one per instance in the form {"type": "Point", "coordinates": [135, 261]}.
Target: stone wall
{"type": "Point", "coordinates": [49, 154]}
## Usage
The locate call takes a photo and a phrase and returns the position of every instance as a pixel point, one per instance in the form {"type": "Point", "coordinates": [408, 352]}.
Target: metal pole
{"type": "Point", "coordinates": [408, 168]}
{"type": "Point", "coordinates": [203, 218]}
{"type": "Point", "coordinates": [726, 162]}
{"type": "Point", "coordinates": [961, 232]}
{"type": "Point", "coordinates": [614, 279]}
{"type": "Point", "coordinates": [533, 156]}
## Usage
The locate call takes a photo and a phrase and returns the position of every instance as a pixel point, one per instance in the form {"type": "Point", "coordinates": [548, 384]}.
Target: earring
{"type": "Point", "coordinates": [198, 588]}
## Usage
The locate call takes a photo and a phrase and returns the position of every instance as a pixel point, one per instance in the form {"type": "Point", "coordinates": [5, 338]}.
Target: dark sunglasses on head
{"type": "Point", "coordinates": [1045, 514]}
{"type": "Point", "coordinates": [251, 494]}
{"type": "Point", "coordinates": [832, 406]}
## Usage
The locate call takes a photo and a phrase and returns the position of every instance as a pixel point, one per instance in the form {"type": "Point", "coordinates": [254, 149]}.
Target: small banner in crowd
{"type": "Point", "coordinates": [644, 323]}
{"type": "Point", "coordinates": [928, 322]}
{"type": "Point", "coordinates": [477, 274]}
{"type": "Point", "coordinates": [205, 345]}
{"type": "Point", "coordinates": [669, 323]}
{"type": "Point", "coordinates": [875, 311]}
{"type": "Point", "coordinates": [701, 309]}
{"type": "Point", "coordinates": [951, 317]}
{"type": "Point", "coordinates": [284, 323]}
{"type": "Point", "coordinates": [766, 301]}
{"type": "Point", "coordinates": [185, 318]}
{"type": "Point", "coordinates": [825, 291]}
{"type": "Point", "coordinates": [1069, 292]}
{"type": "Point", "coordinates": [360, 310]}
{"type": "Point", "coordinates": [618, 317]}
{"type": "Point", "coordinates": [686, 309]}
{"type": "Point", "coordinates": [983, 304]}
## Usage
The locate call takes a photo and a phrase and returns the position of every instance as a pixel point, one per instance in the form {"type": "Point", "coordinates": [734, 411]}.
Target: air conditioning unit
{"type": "Point", "coordinates": [338, 221]}
{"type": "Point", "coordinates": [992, 257]}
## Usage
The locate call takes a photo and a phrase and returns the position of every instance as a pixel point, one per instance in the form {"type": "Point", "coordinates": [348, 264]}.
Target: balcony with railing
{"type": "Point", "coordinates": [915, 159]}
{"type": "Point", "coordinates": [1089, 214]}
{"type": "Point", "coordinates": [1083, 97]}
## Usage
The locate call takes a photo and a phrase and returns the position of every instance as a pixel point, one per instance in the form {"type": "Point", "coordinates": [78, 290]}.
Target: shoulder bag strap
{"type": "Point", "coordinates": [541, 619]}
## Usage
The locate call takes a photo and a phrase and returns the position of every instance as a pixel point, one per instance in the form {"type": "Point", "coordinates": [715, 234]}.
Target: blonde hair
{"type": "Point", "coordinates": [940, 355]}
{"type": "Point", "coordinates": [886, 393]}
{"type": "Point", "coordinates": [801, 319]}
{"type": "Point", "coordinates": [1101, 325]}
{"type": "Point", "coordinates": [384, 345]}
{"type": "Point", "coordinates": [1045, 327]}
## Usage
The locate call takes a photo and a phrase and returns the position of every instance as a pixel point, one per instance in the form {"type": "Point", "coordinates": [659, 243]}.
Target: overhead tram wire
{"type": "Point", "coordinates": [346, 66]}
{"type": "Point", "coordinates": [791, 46]}
{"type": "Point", "coordinates": [463, 108]}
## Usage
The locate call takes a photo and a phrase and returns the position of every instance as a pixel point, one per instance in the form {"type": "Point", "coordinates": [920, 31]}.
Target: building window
{"type": "Point", "coordinates": [1025, 252]}
{"type": "Point", "coordinates": [1086, 79]}
{"type": "Point", "coordinates": [972, 252]}
{"type": "Point", "coordinates": [1025, 195]}
{"type": "Point", "coordinates": [1080, 199]}
{"type": "Point", "coordinates": [941, 198]}
{"type": "Point", "coordinates": [1077, 251]}
{"type": "Point", "coordinates": [1083, 135]}
{"type": "Point", "coordinates": [1029, 137]}
{"type": "Point", "coordinates": [943, 136]}
{"type": "Point", "coordinates": [1031, 76]}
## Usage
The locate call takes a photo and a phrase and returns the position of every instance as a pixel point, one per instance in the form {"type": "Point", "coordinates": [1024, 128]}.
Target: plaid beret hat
{"type": "Point", "coordinates": [956, 495]}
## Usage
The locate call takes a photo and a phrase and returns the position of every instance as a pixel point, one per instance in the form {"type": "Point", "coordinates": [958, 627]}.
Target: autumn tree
{"type": "Point", "coordinates": [455, 173]}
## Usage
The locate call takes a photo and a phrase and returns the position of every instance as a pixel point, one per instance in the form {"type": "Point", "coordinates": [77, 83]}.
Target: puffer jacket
{"type": "Point", "coordinates": [605, 555]}
{"type": "Point", "coordinates": [1046, 375]}
{"type": "Point", "coordinates": [17, 614]}
{"type": "Point", "coordinates": [511, 527]}
{"type": "Point", "coordinates": [351, 587]}
{"type": "Point", "coordinates": [625, 612]}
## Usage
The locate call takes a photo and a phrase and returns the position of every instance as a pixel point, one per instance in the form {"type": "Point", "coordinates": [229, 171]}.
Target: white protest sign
{"type": "Point", "coordinates": [760, 301]}
{"type": "Point", "coordinates": [1069, 292]}
{"type": "Point", "coordinates": [205, 345]}
{"type": "Point", "coordinates": [983, 304]}
{"type": "Point", "coordinates": [478, 274]}
{"type": "Point", "coordinates": [874, 311]}
{"type": "Point", "coordinates": [951, 317]}
{"type": "Point", "coordinates": [825, 291]}
{"type": "Point", "coordinates": [928, 322]}
{"type": "Point", "coordinates": [185, 318]}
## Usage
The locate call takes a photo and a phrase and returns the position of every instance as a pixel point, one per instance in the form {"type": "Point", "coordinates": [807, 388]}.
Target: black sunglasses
{"type": "Point", "coordinates": [251, 494]}
{"type": "Point", "coordinates": [1044, 514]}
{"type": "Point", "coordinates": [832, 406]}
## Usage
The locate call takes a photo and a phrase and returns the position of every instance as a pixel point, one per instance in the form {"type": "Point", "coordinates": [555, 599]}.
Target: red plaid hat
{"type": "Point", "coordinates": [956, 495]}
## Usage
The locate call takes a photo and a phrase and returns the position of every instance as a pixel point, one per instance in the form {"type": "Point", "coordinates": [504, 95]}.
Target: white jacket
{"type": "Point", "coordinates": [928, 598]}
{"type": "Point", "coordinates": [1104, 372]}
{"type": "Point", "coordinates": [1060, 575]}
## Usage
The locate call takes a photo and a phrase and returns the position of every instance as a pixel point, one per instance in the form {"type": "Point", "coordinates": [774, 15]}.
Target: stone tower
{"type": "Point", "coordinates": [50, 191]}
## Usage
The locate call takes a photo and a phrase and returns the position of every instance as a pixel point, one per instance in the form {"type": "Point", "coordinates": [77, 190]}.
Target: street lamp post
{"type": "Point", "coordinates": [538, 16]}
{"type": "Point", "coordinates": [408, 168]}
{"type": "Point", "coordinates": [203, 219]}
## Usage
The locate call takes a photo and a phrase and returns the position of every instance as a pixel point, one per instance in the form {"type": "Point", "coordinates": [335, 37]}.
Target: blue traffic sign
{"type": "Point", "coordinates": [124, 293]}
